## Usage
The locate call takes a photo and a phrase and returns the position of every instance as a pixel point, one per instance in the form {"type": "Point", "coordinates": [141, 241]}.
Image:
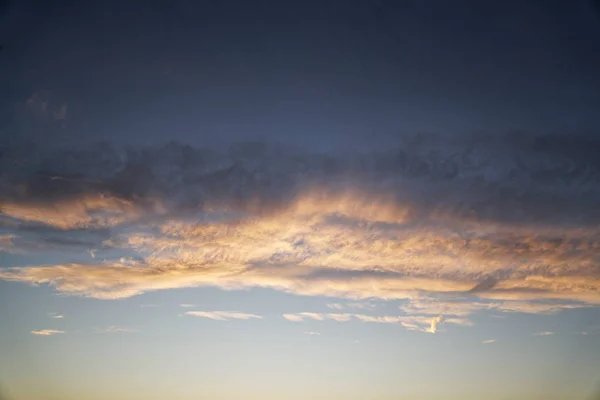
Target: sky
{"type": "Point", "coordinates": [360, 199]}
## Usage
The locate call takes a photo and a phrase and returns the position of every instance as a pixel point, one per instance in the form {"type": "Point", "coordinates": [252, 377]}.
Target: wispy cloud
{"type": "Point", "coordinates": [488, 341]}
{"type": "Point", "coordinates": [413, 322]}
{"type": "Point", "coordinates": [359, 306]}
{"type": "Point", "coordinates": [313, 333]}
{"type": "Point", "coordinates": [222, 315]}
{"type": "Point", "coordinates": [115, 329]}
{"type": "Point", "coordinates": [463, 307]}
{"type": "Point", "coordinates": [187, 305]}
{"type": "Point", "coordinates": [56, 315]}
{"type": "Point", "coordinates": [543, 333]}
{"type": "Point", "coordinates": [47, 332]}
{"type": "Point", "coordinates": [6, 242]}
{"type": "Point", "coordinates": [61, 113]}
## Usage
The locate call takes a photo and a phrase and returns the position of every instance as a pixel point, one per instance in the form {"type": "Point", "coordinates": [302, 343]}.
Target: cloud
{"type": "Point", "coordinates": [434, 323]}
{"type": "Point", "coordinates": [543, 333]}
{"type": "Point", "coordinates": [313, 333]}
{"type": "Point", "coordinates": [307, 315]}
{"type": "Point", "coordinates": [461, 308]}
{"type": "Point", "coordinates": [222, 315]}
{"type": "Point", "coordinates": [293, 317]}
{"type": "Point", "coordinates": [488, 341]}
{"type": "Point", "coordinates": [89, 211]}
{"type": "Point", "coordinates": [528, 307]}
{"type": "Point", "coordinates": [452, 228]}
{"type": "Point", "coordinates": [115, 329]}
{"type": "Point", "coordinates": [41, 104]}
{"type": "Point", "coordinates": [412, 322]}
{"type": "Point", "coordinates": [46, 332]}
{"type": "Point", "coordinates": [56, 315]}
{"type": "Point", "coordinates": [61, 113]}
{"type": "Point", "coordinates": [187, 305]}
{"type": "Point", "coordinates": [360, 306]}
{"type": "Point", "coordinates": [6, 242]}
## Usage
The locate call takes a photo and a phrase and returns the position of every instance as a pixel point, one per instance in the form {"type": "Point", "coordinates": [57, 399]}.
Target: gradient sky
{"type": "Point", "coordinates": [361, 199]}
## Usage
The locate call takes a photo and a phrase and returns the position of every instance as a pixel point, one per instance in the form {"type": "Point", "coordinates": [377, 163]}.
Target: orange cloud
{"type": "Point", "coordinates": [90, 211]}
{"type": "Point", "coordinates": [46, 332]}
{"type": "Point", "coordinates": [341, 245]}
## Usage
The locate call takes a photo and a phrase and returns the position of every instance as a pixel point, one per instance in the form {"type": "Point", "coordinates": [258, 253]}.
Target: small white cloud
{"type": "Point", "coordinates": [543, 334]}
{"type": "Point", "coordinates": [115, 329]}
{"type": "Point", "coordinates": [187, 305]}
{"type": "Point", "coordinates": [46, 332]}
{"type": "Point", "coordinates": [222, 315]}
{"type": "Point", "coordinates": [339, 317]}
{"type": "Point", "coordinates": [310, 315]}
{"type": "Point", "coordinates": [313, 333]}
{"type": "Point", "coordinates": [293, 317]}
{"type": "Point", "coordinates": [488, 341]}
{"type": "Point", "coordinates": [56, 315]}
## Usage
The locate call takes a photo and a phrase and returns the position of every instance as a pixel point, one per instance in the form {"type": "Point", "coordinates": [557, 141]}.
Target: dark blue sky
{"type": "Point", "coordinates": [318, 73]}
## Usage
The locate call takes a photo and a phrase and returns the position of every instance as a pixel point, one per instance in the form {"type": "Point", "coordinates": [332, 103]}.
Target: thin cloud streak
{"type": "Point", "coordinates": [115, 329]}
{"type": "Point", "coordinates": [359, 306]}
{"type": "Point", "coordinates": [413, 322]}
{"type": "Point", "coordinates": [222, 315]}
{"type": "Point", "coordinates": [47, 332]}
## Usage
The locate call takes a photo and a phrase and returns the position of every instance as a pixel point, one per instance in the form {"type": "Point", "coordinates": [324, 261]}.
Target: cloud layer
{"type": "Point", "coordinates": [453, 228]}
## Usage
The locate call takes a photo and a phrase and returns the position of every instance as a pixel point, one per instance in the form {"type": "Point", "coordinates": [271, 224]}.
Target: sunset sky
{"type": "Point", "coordinates": [294, 200]}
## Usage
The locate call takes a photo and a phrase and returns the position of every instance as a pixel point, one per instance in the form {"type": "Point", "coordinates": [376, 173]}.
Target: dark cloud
{"type": "Point", "coordinates": [484, 285]}
{"type": "Point", "coordinates": [516, 178]}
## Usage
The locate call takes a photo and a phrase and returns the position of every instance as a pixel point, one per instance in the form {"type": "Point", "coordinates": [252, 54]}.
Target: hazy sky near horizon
{"type": "Point", "coordinates": [299, 199]}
